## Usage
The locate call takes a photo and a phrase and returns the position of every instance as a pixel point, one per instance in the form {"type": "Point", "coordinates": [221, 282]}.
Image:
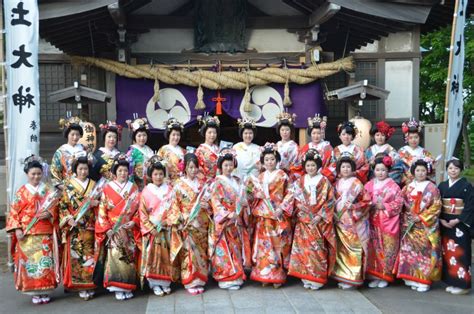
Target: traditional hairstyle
{"type": "Point", "coordinates": [384, 128]}
{"type": "Point", "coordinates": [81, 160]}
{"type": "Point", "coordinates": [313, 155]}
{"type": "Point", "coordinates": [349, 127]}
{"type": "Point", "coordinates": [71, 123]}
{"type": "Point", "coordinates": [455, 162]}
{"type": "Point", "coordinates": [346, 157]}
{"type": "Point", "coordinates": [111, 127]}
{"type": "Point", "coordinates": [226, 154]}
{"type": "Point", "coordinates": [32, 162]}
{"type": "Point", "coordinates": [156, 163]}
{"type": "Point", "coordinates": [412, 126]}
{"type": "Point", "coordinates": [384, 159]}
{"type": "Point", "coordinates": [173, 124]}
{"type": "Point", "coordinates": [120, 160]}
{"type": "Point", "coordinates": [208, 121]}
{"type": "Point", "coordinates": [285, 119]}
{"type": "Point", "coordinates": [316, 122]}
{"type": "Point", "coordinates": [424, 162]}
{"type": "Point", "coordinates": [270, 149]}
{"type": "Point", "coordinates": [246, 123]}
{"type": "Point", "coordinates": [190, 157]}
{"type": "Point", "coordinates": [137, 125]}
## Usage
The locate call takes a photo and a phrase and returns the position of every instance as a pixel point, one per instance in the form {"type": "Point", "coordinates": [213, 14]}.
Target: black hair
{"type": "Point", "coordinates": [227, 156]}
{"type": "Point", "coordinates": [204, 127]}
{"type": "Point", "coordinates": [270, 151]}
{"type": "Point", "coordinates": [374, 130]}
{"type": "Point", "coordinates": [315, 158]}
{"type": "Point", "coordinates": [379, 160]}
{"type": "Point", "coordinates": [142, 129]}
{"type": "Point", "coordinates": [173, 128]}
{"type": "Point", "coordinates": [420, 162]}
{"type": "Point", "coordinates": [285, 123]}
{"type": "Point", "coordinates": [345, 160]}
{"type": "Point", "coordinates": [349, 127]}
{"type": "Point", "coordinates": [456, 163]}
{"type": "Point", "coordinates": [247, 127]}
{"type": "Point", "coordinates": [78, 161]}
{"type": "Point", "coordinates": [32, 164]}
{"type": "Point", "coordinates": [118, 164]}
{"type": "Point", "coordinates": [111, 130]}
{"type": "Point", "coordinates": [190, 157]}
{"type": "Point", "coordinates": [155, 166]}
{"type": "Point", "coordinates": [73, 126]}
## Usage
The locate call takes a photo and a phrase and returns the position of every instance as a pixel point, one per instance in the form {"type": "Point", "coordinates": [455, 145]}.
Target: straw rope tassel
{"type": "Point", "coordinates": [156, 90]}
{"type": "Point", "coordinates": [286, 92]}
{"type": "Point", "coordinates": [200, 105]}
{"type": "Point", "coordinates": [247, 103]}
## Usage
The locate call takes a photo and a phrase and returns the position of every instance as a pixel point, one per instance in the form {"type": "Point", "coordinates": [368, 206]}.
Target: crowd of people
{"type": "Point", "coordinates": [182, 216]}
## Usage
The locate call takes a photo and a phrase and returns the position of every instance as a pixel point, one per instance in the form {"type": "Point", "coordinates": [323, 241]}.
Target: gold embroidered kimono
{"type": "Point", "coordinates": [122, 251]}
{"type": "Point", "coordinates": [314, 245]}
{"type": "Point", "coordinates": [173, 155]}
{"type": "Point", "coordinates": [78, 261]}
{"type": "Point", "coordinates": [352, 231]}
{"type": "Point", "coordinates": [272, 236]}
{"type": "Point", "coordinates": [408, 156]}
{"type": "Point", "coordinates": [36, 255]}
{"type": "Point", "coordinates": [189, 237]}
{"type": "Point", "coordinates": [61, 164]}
{"type": "Point", "coordinates": [207, 158]}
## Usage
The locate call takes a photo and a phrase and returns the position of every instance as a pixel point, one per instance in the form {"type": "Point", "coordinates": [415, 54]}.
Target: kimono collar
{"type": "Point", "coordinates": [145, 150]}
{"type": "Point", "coordinates": [281, 144]}
{"type": "Point", "coordinates": [177, 150]}
{"type": "Point", "coordinates": [350, 148]}
{"type": "Point", "coordinates": [379, 148]}
{"type": "Point", "coordinates": [245, 147]}
{"type": "Point", "coordinates": [378, 183]}
{"type": "Point", "coordinates": [72, 149]}
{"type": "Point", "coordinates": [193, 184]}
{"type": "Point", "coordinates": [310, 181]}
{"type": "Point", "coordinates": [318, 146]}
{"type": "Point", "coordinates": [213, 148]}
{"type": "Point", "coordinates": [35, 190]}
{"type": "Point", "coordinates": [111, 153]}
{"type": "Point", "coordinates": [415, 152]}
{"type": "Point", "coordinates": [82, 184]}
{"type": "Point", "coordinates": [418, 186]}
{"type": "Point", "coordinates": [231, 181]}
{"type": "Point", "coordinates": [268, 176]}
{"type": "Point", "coordinates": [159, 191]}
{"type": "Point", "coordinates": [121, 189]}
{"type": "Point", "coordinates": [451, 182]}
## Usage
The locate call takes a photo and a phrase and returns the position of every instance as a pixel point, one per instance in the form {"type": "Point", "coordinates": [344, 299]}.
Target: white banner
{"type": "Point", "coordinates": [23, 104]}
{"type": "Point", "coordinates": [455, 98]}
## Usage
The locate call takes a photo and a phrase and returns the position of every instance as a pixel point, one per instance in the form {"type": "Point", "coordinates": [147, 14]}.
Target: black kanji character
{"type": "Point", "coordinates": [90, 138]}
{"type": "Point", "coordinates": [21, 15]}
{"type": "Point", "coordinates": [88, 129]}
{"type": "Point", "coordinates": [23, 57]}
{"type": "Point", "coordinates": [33, 125]}
{"type": "Point", "coordinates": [21, 100]}
{"type": "Point", "coordinates": [458, 45]}
{"type": "Point", "coordinates": [34, 138]}
{"type": "Point", "coordinates": [455, 85]}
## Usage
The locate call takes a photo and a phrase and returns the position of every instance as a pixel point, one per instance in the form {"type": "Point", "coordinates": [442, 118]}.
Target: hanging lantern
{"type": "Point", "coordinates": [363, 135]}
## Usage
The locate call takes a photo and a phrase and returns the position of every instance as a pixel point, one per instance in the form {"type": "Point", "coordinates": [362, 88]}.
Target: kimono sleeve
{"type": "Point", "coordinates": [394, 203]}
{"type": "Point", "coordinates": [219, 210]}
{"type": "Point", "coordinates": [63, 208]}
{"type": "Point", "coordinates": [145, 224]}
{"type": "Point", "coordinates": [103, 224]}
{"type": "Point", "coordinates": [287, 205]}
{"type": "Point", "coordinates": [327, 210]}
{"type": "Point", "coordinates": [467, 215]}
{"type": "Point", "coordinates": [174, 214]}
{"type": "Point", "coordinates": [13, 221]}
{"type": "Point", "coordinates": [57, 169]}
{"type": "Point", "coordinates": [362, 171]}
{"type": "Point", "coordinates": [429, 216]}
{"type": "Point", "coordinates": [361, 205]}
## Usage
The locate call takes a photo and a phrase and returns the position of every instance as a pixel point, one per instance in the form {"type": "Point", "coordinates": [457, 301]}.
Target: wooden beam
{"type": "Point", "coordinates": [323, 13]}
{"type": "Point", "coordinates": [117, 13]}
{"type": "Point", "coordinates": [394, 26]}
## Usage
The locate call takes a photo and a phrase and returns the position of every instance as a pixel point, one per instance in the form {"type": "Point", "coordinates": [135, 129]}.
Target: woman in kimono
{"type": "Point", "coordinates": [381, 132]}
{"type": "Point", "coordinates": [316, 130]}
{"type": "Point", "coordinates": [314, 242]}
{"type": "Point", "coordinates": [387, 203]}
{"type": "Point", "coordinates": [229, 240]}
{"type": "Point", "coordinates": [36, 268]}
{"type": "Point", "coordinates": [419, 260]}
{"type": "Point", "coordinates": [189, 222]}
{"type": "Point", "coordinates": [207, 152]}
{"type": "Point", "coordinates": [351, 224]}
{"type": "Point", "coordinates": [64, 156]}
{"type": "Point", "coordinates": [77, 233]}
{"type": "Point", "coordinates": [287, 148]}
{"type": "Point", "coordinates": [172, 153]}
{"type": "Point", "coordinates": [155, 206]}
{"type": "Point", "coordinates": [457, 221]}
{"type": "Point", "coordinates": [248, 153]}
{"type": "Point", "coordinates": [117, 227]}
{"type": "Point", "coordinates": [411, 152]}
{"type": "Point", "coordinates": [104, 156]}
{"type": "Point", "coordinates": [347, 132]}
{"type": "Point", "coordinates": [272, 209]}
{"type": "Point", "coordinates": [139, 153]}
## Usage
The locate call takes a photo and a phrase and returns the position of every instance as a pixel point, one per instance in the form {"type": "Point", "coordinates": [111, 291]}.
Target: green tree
{"type": "Point", "coordinates": [433, 74]}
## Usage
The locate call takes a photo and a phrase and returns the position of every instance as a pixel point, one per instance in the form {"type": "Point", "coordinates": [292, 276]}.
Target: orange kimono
{"type": "Point", "coordinates": [362, 167]}
{"type": "Point", "coordinates": [325, 150]}
{"type": "Point", "coordinates": [117, 208]}
{"type": "Point", "coordinates": [189, 245]}
{"type": "Point", "coordinates": [78, 242]}
{"type": "Point", "coordinates": [207, 157]}
{"type": "Point", "coordinates": [229, 241]}
{"type": "Point", "coordinates": [314, 245]}
{"type": "Point", "coordinates": [352, 231]}
{"type": "Point", "coordinates": [272, 234]}
{"type": "Point", "coordinates": [36, 255]}
{"type": "Point", "coordinates": [173, 155]}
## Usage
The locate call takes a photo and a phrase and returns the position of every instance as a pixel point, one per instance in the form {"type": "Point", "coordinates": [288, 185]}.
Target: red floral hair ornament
{"type": "Point", "coordinates": [385, 128]}
{"type": "Point", "coordinates": [387, 161]}
{"type": "Point", "coordinates": [181, 166]}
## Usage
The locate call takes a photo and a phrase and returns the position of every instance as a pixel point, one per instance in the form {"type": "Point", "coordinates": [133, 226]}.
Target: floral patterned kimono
{"type": "Point", "coordinates": [314, 245]}
{"type": "Point", "coordinates": [396, 169]}
{"type": "Point", "coordinates": [36, 255]}
{"type": "Point", "coordinates": [140, 156]}
{"type": "Point", "coordinates": [352, 231]}
{"type": "Point", "coordinates": [61, 165]}
{"type": "Point", "coordinates": [325, 150]}
{"type": "Point", "coordinates": [104, 160]}
{"type": "Point", "coordinates": [289, 157]}
{"type": "Point", "coordinates": [407, 157]}
{"type": "Point", "coordinates": [272, 236]}
{"type": "Point", "coordinates": [173, 155]}
{"type": "Point", "coordinates": [207, 157]}
{"type": "Point", "coordinates": [120, 272]}
{"type": "Point", "coordinates": [229, 244]}
{"type": "Point", "coordinates": [420, 247]}
{"type": "Point", "coordinates": [362, 167]}
{"type": "Point", "coordinates": [248, 159]}
{"type": "Point", "coordinates": [78, 242]}
{"type": "Point", "coordinates": [384, 228]}
{"type": "Point", "coordinates": [155, 206]}
{"type": "Point", "coordinates": [189, 246]}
